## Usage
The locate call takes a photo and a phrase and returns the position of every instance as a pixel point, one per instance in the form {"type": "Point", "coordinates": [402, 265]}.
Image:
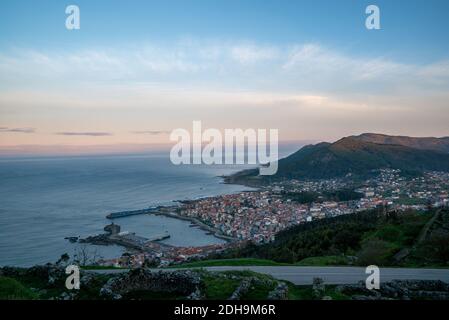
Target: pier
{"type": "Point", "coordinates": [122, 214]}
{"type": "Point", "coordinates": [159, 237]}
{"type": "Point", "coordinates": [124, 238]}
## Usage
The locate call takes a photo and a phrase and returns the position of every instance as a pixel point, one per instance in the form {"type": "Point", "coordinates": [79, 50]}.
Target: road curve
{"type": "Point", "coordinates": [330, 275]}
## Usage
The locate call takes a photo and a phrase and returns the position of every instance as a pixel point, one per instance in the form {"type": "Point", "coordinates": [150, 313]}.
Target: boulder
{"type": "Point", "coordinates": [242, 289]}
{"type": "Point", "coordinates": [279, 293]}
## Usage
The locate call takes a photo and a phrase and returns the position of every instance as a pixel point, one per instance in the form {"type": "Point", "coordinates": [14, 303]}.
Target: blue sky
{"type": "Point", "coordinates": [414, 30]}
{"type": "Point", "coordinates": [309, 68]}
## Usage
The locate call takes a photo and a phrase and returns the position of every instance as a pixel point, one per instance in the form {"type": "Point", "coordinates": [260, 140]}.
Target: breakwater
{"type": "Point", "coordinates": [122, 214]}
{"type": "Point", "coordinates": [170, 212]}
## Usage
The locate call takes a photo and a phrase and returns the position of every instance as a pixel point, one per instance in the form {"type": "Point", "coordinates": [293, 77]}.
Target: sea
{"type": "Point", "coordinates": [45, 199]}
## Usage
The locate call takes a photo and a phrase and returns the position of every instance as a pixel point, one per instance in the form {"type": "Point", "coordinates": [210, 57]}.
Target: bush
{"type": "Point", "coordinates": [389, 233]}
{"type": "Point", "coordinates": [436, 248]}
{"type": "Point", "coordinates": [11, 289]}
{"type": "Point", "coordinates": [374, 251]}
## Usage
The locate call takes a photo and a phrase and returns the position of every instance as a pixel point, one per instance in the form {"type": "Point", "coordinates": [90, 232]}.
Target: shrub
{"type": "Point", "coordinates": [374, 251]}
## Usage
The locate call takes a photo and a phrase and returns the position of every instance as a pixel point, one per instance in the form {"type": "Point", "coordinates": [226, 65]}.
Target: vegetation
{"type": "Point", "coordinates": [349, 155]}
{"type": "Point", "coordinates": [309, 197]}
{"type": "Point", "coordinates": [218, 288]}
{"type": "Point", "coordinates": [306, 293]}
{"type": "Point", "coordinates": [433, 249]}
{"type": "Point", "coordinates": [325, 261]}
{"type": "Point", "coordinates": [334, 236]}
{"type": "Point", "coordinates": [97, 267]}
{"type": "Point", "coordinates": [435, 144]}
{"type": "Point", "coordinates": [358, 239]}
{"type": "Point", "coordinates": [11, 289]}
{"type": "Point", "coordinates": [257, 291]}
{"type": "Point", "coordinates": [363, 238]}
{"type": "Point", "coordinates": [230, 262]}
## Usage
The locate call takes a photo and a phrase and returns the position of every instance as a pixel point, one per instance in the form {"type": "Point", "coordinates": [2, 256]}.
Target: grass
{"type": "Point", "coordinates": [48, 291]}
{"type": "Point", "coordinates": [330, 291]}
{"type": "Point", "coordinates": [11, 289]}
{"type": "Point", "coordinates": [230, 262]}
{"type": "Point", "coordinates": [393, 237]}
{"type": "Point", "coordinates": [380, 245]}
{"type": "Point", "coordinates": [299, 292]}
{"type": "Point", "coordinates": [219, 288]}
{"type": "Point", "coordinates": [306, 293]}
{"type": "Point", "coordinates": [222, 287]}
{"type": "Point", "coordinates": [247, 274]}
{"type": "Point", "coordinates": [324, 261]}
{"type": "Point", "coordinates": [258, 292]}
{"type": "Point", "coordinates": [92, 291]}
{"type": "Point", "coordinates": [93, 267]}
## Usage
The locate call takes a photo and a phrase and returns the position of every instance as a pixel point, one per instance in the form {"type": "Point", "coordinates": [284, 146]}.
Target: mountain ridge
{"type": "Point", "coordinates": [423, 143]}
{"type": "Point", "coordinates": [356, 155]}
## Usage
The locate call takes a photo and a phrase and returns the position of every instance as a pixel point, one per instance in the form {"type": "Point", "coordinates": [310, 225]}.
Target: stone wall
{"type": "Point", "coordinates": [178, 282]}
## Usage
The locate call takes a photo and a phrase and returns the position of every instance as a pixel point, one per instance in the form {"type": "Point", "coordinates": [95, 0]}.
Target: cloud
{"type": "Point", "coordinates": [226, 65]}
{"type": "Point", "coordinates": [438, 71]}
{"type": "Point", "coordinates": [91, 134]}
{"type": "Point", "coordinates": [224, 83]}
{"type": "Point", "coordinates": [18, 130]}
{"type": "Point", "coordinates": [250, 54]}
{"type": "Point", "coordinates": [152, 132]}
{"type": "Point", "coordinates": [316, 60]}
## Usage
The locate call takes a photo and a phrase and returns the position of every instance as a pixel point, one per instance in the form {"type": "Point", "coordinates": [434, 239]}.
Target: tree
{"type": "Point", "coordinates": [84, 256]}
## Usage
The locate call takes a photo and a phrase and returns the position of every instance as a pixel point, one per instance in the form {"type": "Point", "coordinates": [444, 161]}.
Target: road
{"type": "Point", "coordinates": [330, 275]}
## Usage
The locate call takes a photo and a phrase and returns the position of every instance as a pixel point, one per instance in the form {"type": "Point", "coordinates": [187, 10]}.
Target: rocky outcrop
{"type": "Point", "coordinates": [279, 293]}
{"type": "Point", "coordinates": [196, 295]}
{"type": "Point", "coordinates": [186, 283]}
{"type": "Point", "coordinates": [112, 229]}
{"type": "Point", "coordinates": [318, 288]}
{"type": "Point", "coordinates": [51, 272]}
{"type": "Point", "coordinates": [242, 289]}
{"type": "Point", "coordinates": [398, 289]}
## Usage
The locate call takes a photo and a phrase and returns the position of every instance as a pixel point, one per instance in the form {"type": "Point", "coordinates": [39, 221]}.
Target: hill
{"type": "Point", "coordinates": [427, 143]}
{"type": "Point", "coordinates": [364, 238]}
{"type": "Point", "coordinates": [357, 156]}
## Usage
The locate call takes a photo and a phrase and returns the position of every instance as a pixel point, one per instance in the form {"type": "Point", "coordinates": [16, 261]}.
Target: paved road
{"type": "Point", "coordinates": [331, 275]}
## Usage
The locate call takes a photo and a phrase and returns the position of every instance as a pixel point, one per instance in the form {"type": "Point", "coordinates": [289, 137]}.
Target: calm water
{"type": "Point", "coordinates": [45, 200]}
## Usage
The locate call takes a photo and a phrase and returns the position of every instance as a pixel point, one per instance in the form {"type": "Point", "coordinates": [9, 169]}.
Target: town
{"type": "Point", "coordinates": [257, 216]}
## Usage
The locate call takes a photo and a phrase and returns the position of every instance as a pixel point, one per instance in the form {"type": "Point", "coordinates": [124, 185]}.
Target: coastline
{"type": "Point", "coordinates": [167, 212]}
{"type": "Point", "coordinates": [170, 211]}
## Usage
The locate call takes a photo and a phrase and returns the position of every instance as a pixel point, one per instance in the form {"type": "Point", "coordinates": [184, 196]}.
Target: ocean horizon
{"type": "Point", "coordinates": [46, 199]}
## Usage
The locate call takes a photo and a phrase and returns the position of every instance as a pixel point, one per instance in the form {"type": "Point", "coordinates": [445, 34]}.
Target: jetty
{"type": "Point", "coordinates": [122, 214]}
{"type": "Point", "coordinates": [126, 239]}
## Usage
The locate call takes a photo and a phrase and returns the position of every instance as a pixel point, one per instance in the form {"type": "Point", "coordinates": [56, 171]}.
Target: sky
{"type": "Point", "coordinates": [136, 70]}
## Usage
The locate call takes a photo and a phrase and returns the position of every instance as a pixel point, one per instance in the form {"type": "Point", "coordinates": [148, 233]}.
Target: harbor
{"type": "Point", "coordinates": [114, 235]}
{"type": "Point", "coordinates": [171, 212]}
{"type": "Point", "coordinates": [130, 240]}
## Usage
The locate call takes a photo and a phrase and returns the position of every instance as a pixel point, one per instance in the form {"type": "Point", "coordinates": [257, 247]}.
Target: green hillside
{"type": "Point", "coordinates": [363, 238]}
{"type": "Point", "coordinates": [349, 155]}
